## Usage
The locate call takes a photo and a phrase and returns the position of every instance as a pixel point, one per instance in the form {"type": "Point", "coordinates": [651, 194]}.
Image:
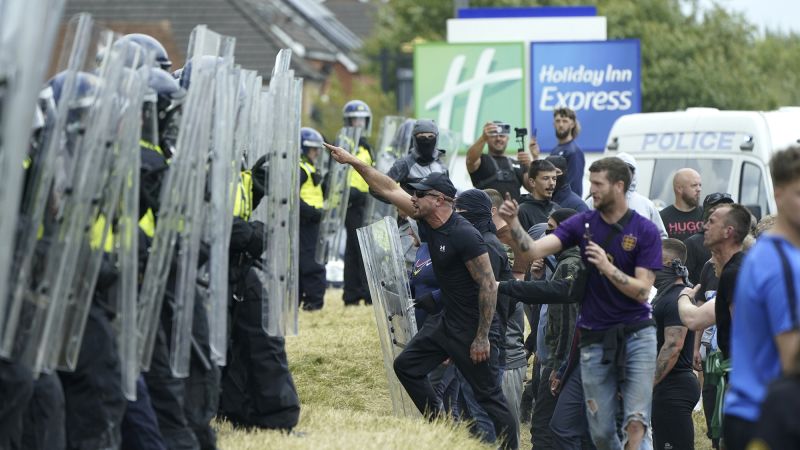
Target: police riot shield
{"type": "Point", "coordinates": [27, 32]}
{"type": "Point", "coordinates": [391, 300]}
{"type": "Point", "coordinates": [99, 221]}
{"type": "Point", "coordinates": [337, 195]}
{"type": "Point", "coordinates": [393, 142]}
{"type": "Point", "coordinates": [181, 201]}
{"type": "Point", "coordinates": [211, 55]}
{"type": "Point", "coordinates": [450, 142]}
{"type": "Point", "coordinates": [224, 178]}
{"type": "Point", "coordinates": [279, 304]}
{"type": "Point", "coordinates": [58, 181]}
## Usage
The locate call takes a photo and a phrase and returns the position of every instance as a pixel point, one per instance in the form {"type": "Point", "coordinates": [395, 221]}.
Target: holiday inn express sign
{"type": "Point", "coordinates": [463, 86]}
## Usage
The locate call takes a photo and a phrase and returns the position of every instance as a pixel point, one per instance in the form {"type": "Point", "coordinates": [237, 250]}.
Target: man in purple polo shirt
{"type": "Point", "coordinates": [618, 338]}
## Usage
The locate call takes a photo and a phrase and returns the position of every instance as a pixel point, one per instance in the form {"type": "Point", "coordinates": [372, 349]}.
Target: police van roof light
{"type": "Point", "coordinates": [614, 144]}
{"type": "Point", "coordinates": [748, 144]}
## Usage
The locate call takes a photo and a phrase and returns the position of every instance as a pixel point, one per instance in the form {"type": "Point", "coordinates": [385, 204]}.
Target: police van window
{"type": "Point", "coordinates": [715, 173]}
{"type": "Point", "coordinates": [752, 190]}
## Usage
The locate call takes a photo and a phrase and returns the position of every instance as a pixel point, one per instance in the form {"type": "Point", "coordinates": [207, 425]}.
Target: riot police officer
{"type": "Point", "coordinates": [312, 274]}
{"type": "Point", "coordinates": [357, 114]}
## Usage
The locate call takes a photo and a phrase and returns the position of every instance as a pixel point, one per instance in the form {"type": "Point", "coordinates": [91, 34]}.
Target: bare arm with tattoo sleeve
{"type": "Point", "coordinates": [669, 352]}
{"type": "Point", "coordinates": [480, 268]}
{"type": "Point", "coordinates": [524, 247]}
{"type": "Point", "coordinates": [381, 184]}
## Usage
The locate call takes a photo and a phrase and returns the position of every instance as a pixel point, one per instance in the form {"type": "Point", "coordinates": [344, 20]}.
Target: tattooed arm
{"type": "Point", "coordinates": [636, 287]}
{"type": "Point", "coordinates": [521, 243]}
{"type": "Point", "coordinates": [480, 269]}
{"type": "Point", "coordinates": [669, 352]}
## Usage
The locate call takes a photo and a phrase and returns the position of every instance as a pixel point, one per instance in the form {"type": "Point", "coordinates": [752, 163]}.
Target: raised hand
{"type": "Point", "coordinates": [509, 209]}
{"type": "Point", "coordinates": [340, 155]}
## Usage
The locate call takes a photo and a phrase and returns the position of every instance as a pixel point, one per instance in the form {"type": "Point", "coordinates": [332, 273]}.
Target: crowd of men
{"type": "Point", "coordinates": [631, 309]}
{"type": "Point", "coordinates": [636, 314]}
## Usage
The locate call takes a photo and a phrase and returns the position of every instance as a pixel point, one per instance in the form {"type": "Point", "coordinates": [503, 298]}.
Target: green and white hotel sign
{"type": "Point", "coordinates": [463, 86]}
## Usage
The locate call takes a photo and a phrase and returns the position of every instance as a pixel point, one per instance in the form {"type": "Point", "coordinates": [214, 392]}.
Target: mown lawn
{"type": "Point", "coordinates": [338, 369]}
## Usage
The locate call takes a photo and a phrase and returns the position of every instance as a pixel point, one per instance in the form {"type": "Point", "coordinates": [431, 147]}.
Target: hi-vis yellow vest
{"type": "Point", "coordinates": [243, 201]}
{"type": "Point", "coordinates": [356, 180]}
{"type": "Point", "coordinates": [309, 192]}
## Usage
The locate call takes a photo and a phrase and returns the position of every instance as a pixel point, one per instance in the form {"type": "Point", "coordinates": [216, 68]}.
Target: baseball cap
{"type": "Point", "coordinates": [717, 198]}
{"type": "Point", "coordinates": [436, 181]}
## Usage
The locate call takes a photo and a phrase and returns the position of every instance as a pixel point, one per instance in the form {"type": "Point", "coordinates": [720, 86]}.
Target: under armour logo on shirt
{"type": "Point", "coordinates": [441, 248]}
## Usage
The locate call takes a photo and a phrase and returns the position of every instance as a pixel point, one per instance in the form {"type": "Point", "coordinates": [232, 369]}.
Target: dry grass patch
{"type": "Point", "coordinates": [338, 369]}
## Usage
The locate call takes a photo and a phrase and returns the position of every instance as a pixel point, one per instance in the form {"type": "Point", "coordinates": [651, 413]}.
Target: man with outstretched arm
{"type": "Point", "coordinates": [617, 335]}
{"type": "Point", "coordinates": [467, 331]}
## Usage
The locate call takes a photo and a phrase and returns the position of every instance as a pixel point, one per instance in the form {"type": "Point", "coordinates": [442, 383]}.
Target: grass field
{"type": "Point", "coordinates": [337, 367]}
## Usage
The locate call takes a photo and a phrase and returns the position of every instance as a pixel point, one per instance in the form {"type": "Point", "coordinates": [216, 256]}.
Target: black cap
{"type": "Point", "coordinates": [436, 181]}
{"type": "Point", "coordinates": [716, 198]}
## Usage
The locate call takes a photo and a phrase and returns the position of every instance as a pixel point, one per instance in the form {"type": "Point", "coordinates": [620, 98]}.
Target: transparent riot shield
{"type": "Point", "coordinates": [180, 217]}
{"type": "Point", "coordinates": [392, 145]}
{"type": "Point", "coordinates": [223, 168]}
{"type": "Point", "coordinates": [121, 144]}
{"type": "Point", "coordinates": [27, 34]}
{"type": "Point", "coordinates": [126, 242]}
{"type": "Point", "coordinates": [57, 182]}
{"type": "Point", "coordinates": [211, 55]}
{"type": "Point", "coordinates": [391, 300]}
{"type": "Point", "coordinates": [337, 195]}
{"type": "Point", "coordinates": [224, 179]}
{"type": "Point", "coordinates": [279, 304]}
{"type": "Point", "coordinates": [450, 141]}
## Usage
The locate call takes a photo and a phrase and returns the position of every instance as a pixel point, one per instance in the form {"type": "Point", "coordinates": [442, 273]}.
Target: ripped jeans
{"type": "Point", "coordinates": [600, 389]}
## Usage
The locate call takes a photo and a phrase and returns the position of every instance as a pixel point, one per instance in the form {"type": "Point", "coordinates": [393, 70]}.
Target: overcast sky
{"type": "Point", "coordinates": [783, 15]}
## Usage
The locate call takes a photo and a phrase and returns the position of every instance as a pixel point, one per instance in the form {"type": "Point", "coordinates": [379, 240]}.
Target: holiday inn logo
{"type": "Point", "coordinates": [463, 86]}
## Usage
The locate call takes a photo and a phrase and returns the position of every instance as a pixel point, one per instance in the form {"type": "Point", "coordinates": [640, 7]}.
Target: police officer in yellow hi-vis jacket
{"type": "Point", "coordinates": [312, 274]}
{"type": "Point", "coordinates": [356, 114]}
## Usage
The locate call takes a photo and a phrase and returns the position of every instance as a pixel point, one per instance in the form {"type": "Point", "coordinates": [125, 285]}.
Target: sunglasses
{"type": "Point", "coordinates": [423, 194]}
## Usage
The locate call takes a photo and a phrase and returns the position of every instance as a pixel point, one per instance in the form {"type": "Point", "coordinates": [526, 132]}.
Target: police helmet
{"type": "Point", "coordinates": [204, 61]}
{"type": "Point", "coordinates": [310, 138]}
{"type": "Point", "coordinates": [150, 43]}
{"type": "Point", "coordinates": [86, 87]}
{"type": "Point", "coordinates": [357, 108]}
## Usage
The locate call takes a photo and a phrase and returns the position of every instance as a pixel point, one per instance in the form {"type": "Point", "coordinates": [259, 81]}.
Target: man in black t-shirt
{"type": "Point", "coordinates": [696, 253]}
{"type": "Point", "coordinates": [495, 170]}
{"type": "Point", "coordinates": [685, 217]}
{"type": "Point", "coordinates": [676, 389]}
{"type": "Point", "coordinates": [469, 292]}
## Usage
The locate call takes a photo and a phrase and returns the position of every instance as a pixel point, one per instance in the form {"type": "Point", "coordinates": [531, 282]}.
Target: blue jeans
{"type": "Point", "coordinates": [483, 426]}
{"type": "Point", "coordinates": [600, 387]}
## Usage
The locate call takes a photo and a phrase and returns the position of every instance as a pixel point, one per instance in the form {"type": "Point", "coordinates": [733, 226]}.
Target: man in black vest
{"type": "Point", "coordinates": [495, 170]}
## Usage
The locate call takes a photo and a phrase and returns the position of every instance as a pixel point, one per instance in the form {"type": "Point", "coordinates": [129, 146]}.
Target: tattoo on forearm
{"type": "Point", "coordinates": [481, 271]}
{"type": "Point", "coordinates": [669, 352]}
{"type": "Point", "coordinates": [619, 277]}
{"type": "Point", "coordinates": [642, 294]}
{"type": "Point", "coordinates": [521, 238]}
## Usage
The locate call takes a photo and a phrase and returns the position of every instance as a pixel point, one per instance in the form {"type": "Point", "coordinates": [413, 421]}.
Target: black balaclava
{"type": "Point", "coordinates": [426, 147]}
{"type": "Point", "coordinates": [477, 208]}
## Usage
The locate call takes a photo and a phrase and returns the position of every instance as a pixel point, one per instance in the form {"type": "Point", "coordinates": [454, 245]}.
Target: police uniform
{"type": "Point", "coordinates": [355, 279]}
{"type": "Point", "coordinates": [312, 274]}
{"type": "Point", "coordinates": [257, 387]}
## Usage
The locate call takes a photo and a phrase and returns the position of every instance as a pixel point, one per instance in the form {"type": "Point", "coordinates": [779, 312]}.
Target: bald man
{"type": "Point", "coordinates": [684, 217]}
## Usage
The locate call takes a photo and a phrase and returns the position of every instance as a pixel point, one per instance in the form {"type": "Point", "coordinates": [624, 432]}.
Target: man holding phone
{"type": "Point", "coordinates": [495, 170]}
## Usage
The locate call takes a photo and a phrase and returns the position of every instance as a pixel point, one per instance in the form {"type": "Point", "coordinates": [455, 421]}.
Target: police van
{"type": "Point", "coordinates": [730, 150]}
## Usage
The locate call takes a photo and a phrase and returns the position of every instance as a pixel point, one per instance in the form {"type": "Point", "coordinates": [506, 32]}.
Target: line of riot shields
{"type": "Point", "coordinates": [71, 192]}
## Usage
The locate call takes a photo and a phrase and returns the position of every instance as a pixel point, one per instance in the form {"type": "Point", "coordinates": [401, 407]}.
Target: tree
{"type": "Point", "coordinates": [703, 57]}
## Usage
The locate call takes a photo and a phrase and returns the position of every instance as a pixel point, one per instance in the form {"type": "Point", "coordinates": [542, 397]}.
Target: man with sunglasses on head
{"type": "Point", "coordinates": [468, 330]}
{"type": "Point", "coordinates": [495, 170]}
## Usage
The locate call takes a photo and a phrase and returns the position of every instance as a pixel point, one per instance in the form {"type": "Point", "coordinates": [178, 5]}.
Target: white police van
{"type": "Point", "coordinates": [730, 149]}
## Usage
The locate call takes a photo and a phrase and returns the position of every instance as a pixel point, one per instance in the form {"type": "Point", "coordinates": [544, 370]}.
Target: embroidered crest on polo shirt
{"type": "Point", "coordinates": [628, 242]}
{"type": "Point", "coordinates": [441, 248]}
